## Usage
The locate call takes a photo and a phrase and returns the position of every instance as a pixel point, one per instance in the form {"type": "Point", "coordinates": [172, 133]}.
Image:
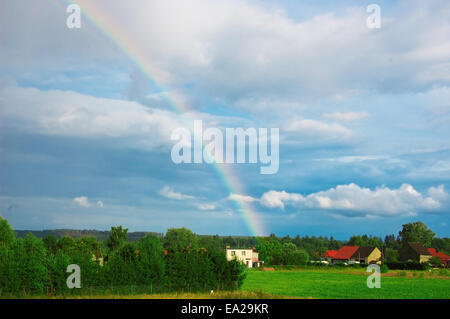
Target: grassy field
{"type": "Point", "coordinates": [347, 284]}
{"type": "Point", "coordinates": [334, 283]}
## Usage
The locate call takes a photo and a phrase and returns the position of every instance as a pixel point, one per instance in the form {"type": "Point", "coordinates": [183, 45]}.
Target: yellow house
{"type": "Point", "coordinates": [367, 255]}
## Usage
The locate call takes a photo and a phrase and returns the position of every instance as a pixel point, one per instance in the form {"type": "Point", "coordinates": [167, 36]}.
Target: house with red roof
{"type": "Point", "coordinates": [344, 254]}
{"type": "Point", "coordinates": [354, 254]}
{"type": "Point", "coordinates": [445, 259]}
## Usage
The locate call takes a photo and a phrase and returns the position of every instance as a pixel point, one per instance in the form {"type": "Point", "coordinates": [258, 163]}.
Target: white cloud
{"type": "Point", "coordinates": [277, 199]}
{"type": "Point", "coordinates": [241, 198]}
{"type": "Point", "coordinates": [355, 200]}
{"type": "Point", "coordinates": [438, 193]}
{"type": "Point", "coordinates": [100, 204]}
{"type": "Point", "coordinates": [346, 116]}
{"type": "Point", "coordinates": [206, 206]}
{"type": "Point", "coordinates": [208, 42]}
{"type": "Point", "coordinates": [168, 192]}
{"type": "Point", "coordinates": [83, 201]}
{"type": "Point", "coordinates": [67, 113]}
{"type": "Point", "coordinates": [317, 128]}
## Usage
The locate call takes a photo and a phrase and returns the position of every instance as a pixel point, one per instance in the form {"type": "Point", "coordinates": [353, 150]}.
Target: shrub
{"type": "Point", "coordinates": [443, 272]}
{"type": "Point", "coordinates": [384, 268]}
{"type": "Point", "coordinates": [435, 261]}
{"type": "Point", "coordinates": [407, 265]}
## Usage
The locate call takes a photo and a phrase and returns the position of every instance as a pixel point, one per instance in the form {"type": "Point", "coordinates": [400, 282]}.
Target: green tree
{"type": "Point", "coordinates": [150, 263]}
{"type": "Point", "coordinates": [435, 261]}
{"type": "Point", "coordinates": [51, 244]}
{"type": "Point", "coordinates": [57, 276]}
{"type": "Point", "coordinates": [33, 271]}
{"type": "Point", "coordinates": [391, 255]}
{"type": "Point", "coordinates": [441, 244]}
{"type": "Point", "coordinates": [6, 233]}
{"type": "Point", "coordinates": [180, 239]}
{"type": "Point", "coordinates": [416, 232]}
{"type": "Point", "coordinates": [117, 237]}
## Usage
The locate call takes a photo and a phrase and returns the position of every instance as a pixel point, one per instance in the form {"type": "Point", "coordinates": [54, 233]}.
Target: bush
{"type": "Point", "coordinates": [407, 265]}
{"type": "Point", "coordinates": [443, 272]}
{"type": "Point", "coordinates": [435, 261]}
{"type": "Point", "coordinates": [384, 268]}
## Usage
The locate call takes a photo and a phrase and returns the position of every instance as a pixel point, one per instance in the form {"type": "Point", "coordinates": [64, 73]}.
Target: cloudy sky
{"type": "Point", "coordinates": [363, 114]}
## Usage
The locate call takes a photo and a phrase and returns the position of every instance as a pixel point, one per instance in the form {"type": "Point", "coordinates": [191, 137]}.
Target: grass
{"type": "Point", "coordinates": [311, 282]}
{"type": "Point", "coordinates": [216, 295]}
{"type": "Point", "coordinates": [346, 283]}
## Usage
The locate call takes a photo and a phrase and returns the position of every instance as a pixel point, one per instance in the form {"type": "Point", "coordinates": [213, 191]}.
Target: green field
{"type": "Point", "coordinates": [339, 284]}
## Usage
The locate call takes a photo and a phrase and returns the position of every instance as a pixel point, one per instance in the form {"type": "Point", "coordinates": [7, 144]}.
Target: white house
{"type": "Point", "coordinates": [249, 257]}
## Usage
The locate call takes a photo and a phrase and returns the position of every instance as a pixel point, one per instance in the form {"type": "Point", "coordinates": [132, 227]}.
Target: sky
{"type": "Point", "coordinates": [86, 115]}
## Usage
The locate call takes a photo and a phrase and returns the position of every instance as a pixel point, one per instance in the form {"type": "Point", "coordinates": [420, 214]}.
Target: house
{"type": "Point", "coordinates": [354, 254]}
{"type": "Point", "coordinates": [250, 257]}
{"type": "Point", "coordinates": [366, 255]}
{"type": "Point", "coordinates": [414, 252]}
{"type": "Point", "coordinates": [344, 254]}
{"type": "Point", "coordinates": [445, 259]}
{"type": "Point", "coordinates": [98, 256]}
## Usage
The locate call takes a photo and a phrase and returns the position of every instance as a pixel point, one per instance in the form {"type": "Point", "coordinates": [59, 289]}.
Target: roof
{"type": "Point", "coordinates": [331, 253]}
{"type": "Point", "coordinates": [419, 248]}
{"type": "Point", "coordinates": [346, 252]}
{"type": "Point", "coordinates": [443, 257]}
{"type": "Point", "coordinates": [363, 252]}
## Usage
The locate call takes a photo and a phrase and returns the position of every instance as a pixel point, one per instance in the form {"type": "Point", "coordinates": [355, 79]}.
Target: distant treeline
{"type": "Point", "coordinates": [314, 246]}
{"type": "Point", "coordinates": [75, 233]}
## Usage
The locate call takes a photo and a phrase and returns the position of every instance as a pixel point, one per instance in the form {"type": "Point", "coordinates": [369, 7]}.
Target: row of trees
{"type": "Point", "coordinates": [176, 262]}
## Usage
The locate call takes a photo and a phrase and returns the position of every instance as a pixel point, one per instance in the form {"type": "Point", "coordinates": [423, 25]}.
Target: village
{"type": "Point", "coordinates": [348, 255]}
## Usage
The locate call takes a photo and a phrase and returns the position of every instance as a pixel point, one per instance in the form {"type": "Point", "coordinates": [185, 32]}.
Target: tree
{"type": "Point", "coordinates": [441, 244]}
{"type": "Point", "coordinates": [180, 240]}
{"type": "Point", "coordinates": [435, 261]}
{"type": "Point", "coordinates": [6, 233]}
{"type": "Point", "coordinates": [391, 255]}
{"type": "Point", "coordinates": [270, 250]}
{"type": "Point", "coordinates": [51, 244]}
{"type": "Point", "coordinates": [117, 237]}
{"type": "Point", "coordinates": [150, 262]}
{"type": "Point", "coordinates": [416, 232]}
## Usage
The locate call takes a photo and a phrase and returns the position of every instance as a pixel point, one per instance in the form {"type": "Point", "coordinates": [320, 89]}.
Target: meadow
{"type": "Point", "coordinates": [347, 283]}
{"type": "Point", "coordinates": [316, 283]}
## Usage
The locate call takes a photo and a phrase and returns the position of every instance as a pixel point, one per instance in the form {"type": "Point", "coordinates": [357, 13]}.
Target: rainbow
{"type": "Point", "coordinates": [158, 78]}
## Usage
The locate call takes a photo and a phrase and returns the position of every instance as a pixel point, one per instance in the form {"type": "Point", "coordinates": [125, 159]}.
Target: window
{"type": "Point", "coordinates": [243, 253]}
{"type": "Point", "coordinates": [233, 253]}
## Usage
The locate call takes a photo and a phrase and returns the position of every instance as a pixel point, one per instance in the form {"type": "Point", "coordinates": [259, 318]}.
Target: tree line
{"type": "Point", "coordinates": [176, 262]}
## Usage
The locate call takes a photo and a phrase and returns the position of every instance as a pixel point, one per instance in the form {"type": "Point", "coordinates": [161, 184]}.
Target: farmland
{"type": "Point", "coordinates": [307, 283]}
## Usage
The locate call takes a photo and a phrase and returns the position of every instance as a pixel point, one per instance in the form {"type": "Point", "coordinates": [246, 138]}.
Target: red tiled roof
{"type": "Point", "coordinates": [443, 257]}
{"type": "Point", "coordinates": [331, 253]}
{"type": "Point", "coordinates": [346, 252]}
